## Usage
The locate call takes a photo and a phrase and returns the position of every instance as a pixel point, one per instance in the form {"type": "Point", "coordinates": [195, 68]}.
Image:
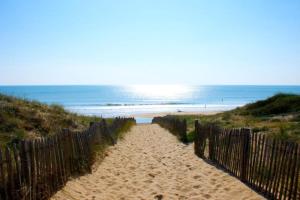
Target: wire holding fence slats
{"type": "Point", "coordinates": [270, 166]}
{"type": "Point", "coordinates": [36, 169]}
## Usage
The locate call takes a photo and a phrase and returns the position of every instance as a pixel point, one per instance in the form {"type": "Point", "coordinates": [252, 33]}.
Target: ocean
{"type": "Point", "coordinates": [111, 101]}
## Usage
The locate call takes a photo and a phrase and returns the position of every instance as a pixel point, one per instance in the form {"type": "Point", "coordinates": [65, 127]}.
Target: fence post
{"type": "Point", "coordinates": [92, 123]}
{"type": "Point", "coordinates": [25, 168]}
{"type": "Point", "coordinates": [184, 132]}
{"type": "Point", "coordinates": [10, 174]}
{"type": "Point", "coordinates": [245, 153]}
{"type": "Point", "coordinates": [211, 142]}
{"type": "Point", "coordinates": [33, 168]}
{"type": "Point", "coordinates": [196, 140]}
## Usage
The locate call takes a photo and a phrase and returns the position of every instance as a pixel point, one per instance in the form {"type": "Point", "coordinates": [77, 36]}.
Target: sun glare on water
{"type": "Point", "coordinates": [161, 91]}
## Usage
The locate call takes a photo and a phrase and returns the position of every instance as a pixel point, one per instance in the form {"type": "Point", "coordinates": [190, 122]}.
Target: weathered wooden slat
{"type": "Point", "coordinates": [227, 147]}
{"type": "Point", "coordinates": [58, 161]}
{"type": "Point", "coordinates": [38, 168]}
{"type": "Point", "coordinates": [250, 177]}
{"type": "Point", "coordinates": [288, 172]}
{"type": "Point", "coordinates": [263, 164]}
{"type": "Point", "coordinates": [57, 167]}
{"type": "Point", "coordinates": [271, 170]}
{"type": "Point", "coordinates": [254, 160]}
{"type": "Point", "coordinates": [293, 183]}
{"type": "Point", "coordinates": [33, 168]}
{"type": "Point", "coordinates": [66, 153]}
{"type": "Point", "coordinates": [256, 166]}
{"type": "Point", "coordinates": [234, 152]}
{"type": "Point", "coordinates": [62, 158]}
{"type": "Point", "coordinates": [18, 183]}
{"type": "Point", "coordinates": [281, 170]}
{"type": "Point", "coordinates": [53, 166]}
{"type": "Point", "coordinates": [2, 178]}
{"type": "Point", "coordinates": [245, 151]}
{"type": "Point", "coordinates": [45, 172]}
{"type": "Point", "coordinates": [26, 168]}
{"type": "Point", "coordinates": [10, 174]}
{"type": "Point", "coordinates": [296, 192]}
{"type": "Point", "coordinates": [223, 147]}
{"type": "Point", "coordinates": [278, 157]}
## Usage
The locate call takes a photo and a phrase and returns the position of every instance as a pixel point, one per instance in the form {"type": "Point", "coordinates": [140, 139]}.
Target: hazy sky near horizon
{"type": "Point", "coordinates": [149, 42]}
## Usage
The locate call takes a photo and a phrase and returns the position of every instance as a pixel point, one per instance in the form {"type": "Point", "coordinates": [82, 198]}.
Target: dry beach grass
{"type": "Point", "coordinates": [150, 163]}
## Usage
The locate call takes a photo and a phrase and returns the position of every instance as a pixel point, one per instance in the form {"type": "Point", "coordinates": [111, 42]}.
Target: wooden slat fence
{"type": "Point", "coordinates": [174, 125]}
{"type": "Point", "coordinates": [36, 169]}
{"type": "Point", "coordinates": [270, 166]}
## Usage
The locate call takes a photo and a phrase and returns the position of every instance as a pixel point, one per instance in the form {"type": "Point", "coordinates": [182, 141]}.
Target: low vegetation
{"type": "Point", "coordinates": [277, 116]}
{"type": "Point", "coordinates": [20, 118]}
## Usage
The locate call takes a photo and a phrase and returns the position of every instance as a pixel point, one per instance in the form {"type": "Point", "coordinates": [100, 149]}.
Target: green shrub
{"type": "Point", "coordinates": [278, 104]}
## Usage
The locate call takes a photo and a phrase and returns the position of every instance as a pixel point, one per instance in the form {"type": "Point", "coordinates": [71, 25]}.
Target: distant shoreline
{"type": "Point", "coordinates": [160, 114]}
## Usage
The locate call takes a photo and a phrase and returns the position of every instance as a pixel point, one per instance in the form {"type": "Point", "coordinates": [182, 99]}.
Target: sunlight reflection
{"type": "Point", "coordinates": [161, 91]}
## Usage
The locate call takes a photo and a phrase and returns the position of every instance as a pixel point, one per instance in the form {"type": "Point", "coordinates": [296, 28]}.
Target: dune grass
{"type": "Point", "coordinates": [277, 117]}
{"type": "Point", "coordinates": [21, 118]}
{"type": "Point", "coordinates": [126, 128]}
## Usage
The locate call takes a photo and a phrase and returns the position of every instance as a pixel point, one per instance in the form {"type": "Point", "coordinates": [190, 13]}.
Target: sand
{"type": "Point", "coordinates": [149, 163]}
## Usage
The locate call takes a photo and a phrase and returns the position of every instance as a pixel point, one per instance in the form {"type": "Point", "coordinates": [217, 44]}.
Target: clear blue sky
{"type": "Point", "coordinates": [150, 41]}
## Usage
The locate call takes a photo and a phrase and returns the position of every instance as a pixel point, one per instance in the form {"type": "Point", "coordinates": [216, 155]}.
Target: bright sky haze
{"type": "Point", "coordinates": [55, 42]}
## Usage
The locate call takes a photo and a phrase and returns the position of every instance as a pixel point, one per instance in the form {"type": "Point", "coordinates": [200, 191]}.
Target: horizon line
{"type": "Point", "coordinates": [58, 85]}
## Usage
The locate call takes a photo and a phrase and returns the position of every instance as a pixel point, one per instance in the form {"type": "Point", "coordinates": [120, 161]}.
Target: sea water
{"type": "Point", "coordinates": [112, 101]}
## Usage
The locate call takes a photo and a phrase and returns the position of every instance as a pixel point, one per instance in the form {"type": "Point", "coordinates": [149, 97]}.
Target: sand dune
{"type": "Point", "coordinates": [149, 163]}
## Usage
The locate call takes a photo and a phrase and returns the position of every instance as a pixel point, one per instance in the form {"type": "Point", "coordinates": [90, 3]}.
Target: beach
{"type": "Point", "coordinates": [146, 118]}
{"type": "Point", "coordinates": [161, 114]}
{"type": "Point", "coordinates": [150, 163]}
{"type": "Point", "coordinates": [150, 100]}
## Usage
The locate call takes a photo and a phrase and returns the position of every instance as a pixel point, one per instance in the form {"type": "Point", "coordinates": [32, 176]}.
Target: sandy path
{"type": "Point", "coordinates": [149, 163]}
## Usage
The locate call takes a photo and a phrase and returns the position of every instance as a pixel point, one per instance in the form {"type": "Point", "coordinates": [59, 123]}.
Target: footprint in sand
{"type": "Point", "coordinates": [158, 197]}
{"type": "Point", "coordinates": [207, 196]}
{"type": "Point", "coordinates": [197, 177]}
{"type": "Point", "coordinates": [148, 181]}
{"type": "Point", "coordinates": [196, 186]}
